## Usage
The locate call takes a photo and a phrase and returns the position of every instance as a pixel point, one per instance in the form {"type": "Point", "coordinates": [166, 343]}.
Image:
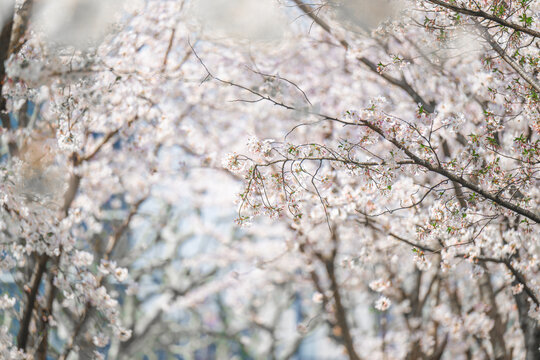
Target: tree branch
{"type": "Point", "coordinates": [341, 312]}
{"type": "Point", "coordinates": [5, 36]}
{"type": "Point", "coordinates": [22, 336]}
{"type": "Point", "coordinates": [499, 50]}
{"type": "Point", "coordinates": [110, 248]}
{"type": "Point", "coordinates": [458, 179]}
{"type": "Point", "coordinates": [401, 83]}
{"type": "Point", "coordinates": [485, 15]}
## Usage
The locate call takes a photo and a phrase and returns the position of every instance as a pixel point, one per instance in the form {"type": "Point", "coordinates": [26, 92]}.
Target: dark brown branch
{"type": "Point", "coordinates": [169, 47]}
{"type": "Point", "coordinates": [113, 241]}
{"type": "Point", "coordinates": [5, 36]}
{"type": "Point", "coordinates": [458, 179]}
{"type": "Point", "coordinates": [401, 83]}
{"type": "Point", "coordinates": [496, 333]}
{"type": "Point", "coordinates": [44, 324]}
{"type": "Point", "coordinates": [487, 16]}
{"type": "Point", "coordinates": [371, 225]}
{"type": "Point", "coordinates": [177, 293]}
{"type": "Point", "coordinates": [341, 317]}
{"type": "Point", "coordinates": [519, 277]}
{"type": "Point", "coordinates": [499, 50]}
{"type": "Point", "coordinates": [341, 312]}
{"type": "Point", "coordinates": [22, 336]}
{"type": "Point", "coordinates": [69, 196]}
{"type": "Point", "coordinates": [105, 140]}
{"type": "Point", "coordinates": [529, 327]}
{"type": "Point", "coordinates": [20, 26]}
